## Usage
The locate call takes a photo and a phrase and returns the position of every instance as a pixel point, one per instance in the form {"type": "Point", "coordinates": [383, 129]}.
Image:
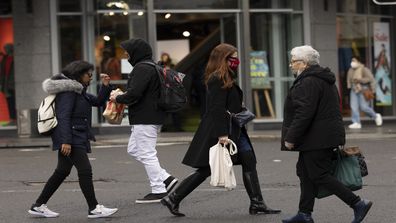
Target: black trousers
{"type": "Point", "coordinates": [313, 169]}
{"type": "Point", "coordinates": [79, 159]}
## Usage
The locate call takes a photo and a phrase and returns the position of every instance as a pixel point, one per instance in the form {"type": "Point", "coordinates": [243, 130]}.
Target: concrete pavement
{"type": "Point", "coordinates": [368, 131]}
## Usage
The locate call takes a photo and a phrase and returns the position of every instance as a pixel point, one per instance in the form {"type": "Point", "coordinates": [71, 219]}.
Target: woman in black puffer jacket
{"type": "Point", "coordinates": [73, 107]}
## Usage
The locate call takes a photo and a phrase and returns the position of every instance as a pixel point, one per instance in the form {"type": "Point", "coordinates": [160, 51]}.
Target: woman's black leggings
{"type": "Point", "coordinates": [79, 159]}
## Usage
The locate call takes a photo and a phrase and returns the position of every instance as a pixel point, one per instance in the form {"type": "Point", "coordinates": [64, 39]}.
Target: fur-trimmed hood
{"type": "Point", "coordinates": [60, 83]}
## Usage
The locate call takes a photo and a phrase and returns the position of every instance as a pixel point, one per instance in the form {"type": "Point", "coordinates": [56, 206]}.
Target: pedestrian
{"type": "Point", "coordinates": [360, 78]}
{"type": "Point", "coordinates": [146, 119]}
{"type": "Point", "coordinates": [223, 94]}
{"type": "Point", "coordinates": [313, 126]}
{"type": "Point", "coordinates": [71, 136]}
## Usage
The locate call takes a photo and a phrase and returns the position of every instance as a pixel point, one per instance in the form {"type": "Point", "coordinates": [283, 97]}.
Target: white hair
{"type": "Point", "coordinates": [306, 53]}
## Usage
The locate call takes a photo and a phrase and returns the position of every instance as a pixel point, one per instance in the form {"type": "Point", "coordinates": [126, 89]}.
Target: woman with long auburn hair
{"type": "Point", "coordinates": [223, 96]}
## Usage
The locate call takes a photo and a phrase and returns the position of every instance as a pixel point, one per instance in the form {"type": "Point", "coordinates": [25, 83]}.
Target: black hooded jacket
{"type": "Point", "coordinates": [312, 116]}
{"type": "Point", "coordinates": [142, 87]}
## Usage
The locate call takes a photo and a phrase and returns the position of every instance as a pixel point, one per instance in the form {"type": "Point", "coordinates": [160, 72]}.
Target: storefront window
{"type": "Point", "coordinates": [195, 4]}
{"type": "Point", "coordinates": [270, 4]}
{"type": "Point", "coordinates": [352, 40]}
{"type": "Point", "coordinates": [5, 7]}
{"type": "Point", "coordinates": [276, 35]}
{"type": "Point", "coordinates": [7, 78]}
{"type": "Point", "coordinates": [120, 5]}
{"type": "Point", "coordinates": [69, 5]}
{"type": "Point", "coordinates": [70, 39]}
{"type": "Point", "coordinates": [187, 39]}
{"type": "Point", "coordinates": [111, 30]}
{"type": "Point", "coordinates": [381, 9]}
{"type": "Point", "coordinates": [352, 6]}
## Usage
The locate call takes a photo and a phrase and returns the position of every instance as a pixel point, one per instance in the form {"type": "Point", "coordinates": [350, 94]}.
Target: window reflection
{"type": "Point", "coordinates": [70, 39]}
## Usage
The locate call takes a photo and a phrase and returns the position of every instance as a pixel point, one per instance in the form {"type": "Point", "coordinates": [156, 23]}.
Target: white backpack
{"type": "Point", "coordinates": [46, 119]}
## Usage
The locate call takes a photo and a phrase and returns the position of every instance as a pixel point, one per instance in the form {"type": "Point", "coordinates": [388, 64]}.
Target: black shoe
{"type": "Point", "coordinates": [258, 207]}
{"type": "Point", "coordinates": [172, 206]}
{"type": "Point", "coordinates": [300, 217]}
{"type": "Point", "coordinates": [360, 210]}
{"type": "Point", "coordinates": [151, 198]}
{"type": "Point", "coordinates": [170, 183]}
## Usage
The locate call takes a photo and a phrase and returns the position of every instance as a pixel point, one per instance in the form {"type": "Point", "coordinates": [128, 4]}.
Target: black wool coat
{"type": "Point", "coordinates": [215, 122]}
{"type": "Point", "coordinates": [312, 116]}
{"type": "Point", "coordinates": [143, 87]}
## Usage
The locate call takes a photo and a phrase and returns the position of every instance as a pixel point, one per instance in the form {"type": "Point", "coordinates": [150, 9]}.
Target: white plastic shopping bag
{"type": "Point", "coordinates": [221, 166]}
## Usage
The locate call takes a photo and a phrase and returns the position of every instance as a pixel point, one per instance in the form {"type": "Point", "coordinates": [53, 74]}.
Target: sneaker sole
{"type": "Point", "coordinates": [103, 215]}
{"type": "Point", "coordinates": [147, 201]}
{"type": "Point", "coordinates": [172, 184]}
{"type": "Point", "coordinates": [39, 214]}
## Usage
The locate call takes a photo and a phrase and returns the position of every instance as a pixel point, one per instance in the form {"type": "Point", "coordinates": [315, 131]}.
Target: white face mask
{"type": "Point", "coordinates": [354, 64]}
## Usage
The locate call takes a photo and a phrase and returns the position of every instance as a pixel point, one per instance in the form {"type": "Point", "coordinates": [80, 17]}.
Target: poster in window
{"type": "Point", "coordinates": [382, 64]}
{"type": "Point", "coordinates": [259, 71]}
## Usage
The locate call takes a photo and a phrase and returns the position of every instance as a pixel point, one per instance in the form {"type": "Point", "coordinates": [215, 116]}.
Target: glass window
{"type": "Point", "coordinates": [352, 6]}
{"type": "Point", "coordinates": [69, 5]}
{"type": "Point", "coordinates": [120, 5]}
{"type": "Point", "coordinates": [7, 75]}
{"type": "Point", "coordinates": [294, 4]}
{"type": "Point", "coordinates": [273, 36]}
{"type": "Point", "coordinates": [5, 7]}
{"type": "Point", "coordinates": [110, 32]}
{"type": "Point", "coordinates": [382, 59]}
{"type": "Point", "coordinates": [352, 40]}
{"type": "Point", "coordinates": [382, 9]}
{"type": "Point", "coordinates": [187, 40]}
{"type": "Point", "coordinates": [195, 4]}
{"type": "Point", "coordinates": [70, 39]}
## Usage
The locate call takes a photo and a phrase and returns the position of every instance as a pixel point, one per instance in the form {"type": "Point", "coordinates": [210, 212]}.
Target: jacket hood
{"type": "Point", "coordinates": [138, 50]}
{"type": "Point", "coordinates": [318, 72]}
{"type": "Point", "coordinates": [60, 83]}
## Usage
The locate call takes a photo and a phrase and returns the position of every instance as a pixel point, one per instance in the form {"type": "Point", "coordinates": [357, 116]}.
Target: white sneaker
{"type": "Point", "coordinates": [378, 119]}
{"type": "Point", "coordinates": [43, 211]}
{"type": "Point", "coordinates": [355, 126]}
{"type": "Point", "coordinates": [101, 211]}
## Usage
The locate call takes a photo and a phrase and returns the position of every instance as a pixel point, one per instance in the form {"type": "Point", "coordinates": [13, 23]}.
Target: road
{"type": "Point", "coordinates": [119, 180]}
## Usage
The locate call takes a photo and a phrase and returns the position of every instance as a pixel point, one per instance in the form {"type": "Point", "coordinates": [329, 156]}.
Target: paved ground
{"type": "Point", "coordinates": [119, 180]}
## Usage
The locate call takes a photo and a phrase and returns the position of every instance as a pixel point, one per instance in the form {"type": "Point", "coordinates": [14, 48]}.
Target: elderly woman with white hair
{"type": "Point", "coordinates": [313, 127]}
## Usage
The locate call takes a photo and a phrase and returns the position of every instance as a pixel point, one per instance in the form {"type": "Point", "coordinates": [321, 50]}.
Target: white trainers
{"type": "Point", "coordinates": [378, 119]}
{"type": "Point", "coordinates": [101, 211]}
{"type": "Point", "coordinates": [42, 211]}
{"type": "Point", "coordinates": [355, 126]}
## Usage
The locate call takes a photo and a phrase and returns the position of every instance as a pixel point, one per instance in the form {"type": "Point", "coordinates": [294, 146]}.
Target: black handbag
{"type": "Point", "coordinates": [242, 118]}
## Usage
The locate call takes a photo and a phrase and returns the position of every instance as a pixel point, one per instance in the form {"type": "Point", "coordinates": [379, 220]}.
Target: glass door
{"type": "Point", "coordinates": [184, 42]}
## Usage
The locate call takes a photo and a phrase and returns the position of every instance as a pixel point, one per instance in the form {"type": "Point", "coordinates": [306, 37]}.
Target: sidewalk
{"type": "Point", "coordinates": [369, 131]}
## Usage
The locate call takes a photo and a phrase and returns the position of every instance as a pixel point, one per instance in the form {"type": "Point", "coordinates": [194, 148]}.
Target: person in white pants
{"type": "Point", "coordinates": [141, 146]}
{"type": "Point", "coordinates": [145, 117]}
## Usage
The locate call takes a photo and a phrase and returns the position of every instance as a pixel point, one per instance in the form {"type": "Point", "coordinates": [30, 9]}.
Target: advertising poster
{"type": "Point", "coordinates": [382, 64]}
{"type": "Point", "coordinates": [259, 71]}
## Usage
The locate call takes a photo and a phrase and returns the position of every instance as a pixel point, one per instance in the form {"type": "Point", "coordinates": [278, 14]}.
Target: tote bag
{"type": "Point", "coordinates": [221, 166]}
{"type": "Point", "coordinates": [347, 171]}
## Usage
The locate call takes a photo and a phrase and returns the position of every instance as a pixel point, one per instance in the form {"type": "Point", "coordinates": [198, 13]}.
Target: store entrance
{"type": "Point", "coordinates": [184, 42]}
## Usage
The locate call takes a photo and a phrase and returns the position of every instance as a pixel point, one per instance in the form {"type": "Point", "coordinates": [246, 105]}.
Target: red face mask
{"type": "Point", "coordinates": [233, 63]}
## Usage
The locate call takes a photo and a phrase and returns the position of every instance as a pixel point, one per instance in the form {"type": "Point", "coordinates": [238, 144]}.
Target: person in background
{"type": "Point", "coordinates": [73, 107]}
{"type": "Point", "coordinates": [144, 117]}
{"type": "Point", "coordinates": [223, 94]}
{"type": "Point", "coordinates": [359, 78]}
{"type": "Point", "coordinates": [313, 126]}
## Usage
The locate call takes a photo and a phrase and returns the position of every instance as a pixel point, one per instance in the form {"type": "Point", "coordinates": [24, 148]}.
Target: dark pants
{"type": "Point", "coordinates": [313, 169]}
{"type": "Point", "coordinates": [79, 159]}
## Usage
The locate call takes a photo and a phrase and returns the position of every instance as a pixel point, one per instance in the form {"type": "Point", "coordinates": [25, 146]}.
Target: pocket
{"type": "Point", "coordinates": [79, 128]}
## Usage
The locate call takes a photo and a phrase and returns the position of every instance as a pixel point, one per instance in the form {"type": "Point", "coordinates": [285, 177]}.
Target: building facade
{"type": "Point", "coordinates": [47, 35]}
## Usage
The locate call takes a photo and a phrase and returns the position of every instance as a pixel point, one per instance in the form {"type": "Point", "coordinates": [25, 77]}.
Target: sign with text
{"type": "Point", "coordinates": [259, 70]}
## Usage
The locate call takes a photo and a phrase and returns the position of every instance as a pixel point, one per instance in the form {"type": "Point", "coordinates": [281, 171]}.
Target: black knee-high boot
{"type": "Point", "coordinates": [252, 185]}
{"type": "Point", "coordinates": [173, 200]}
